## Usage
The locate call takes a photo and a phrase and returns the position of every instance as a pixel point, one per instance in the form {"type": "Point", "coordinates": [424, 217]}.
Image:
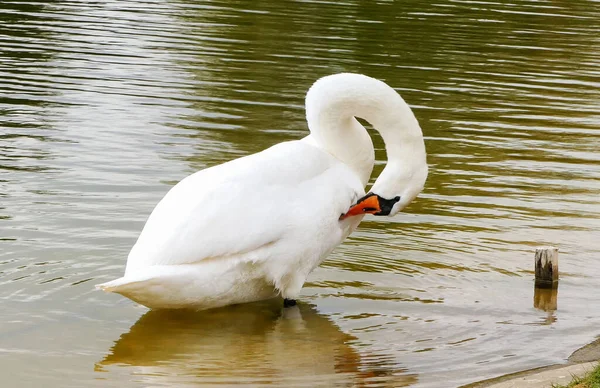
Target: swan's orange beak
{"type": "Point", "coordinates": [368, 204]}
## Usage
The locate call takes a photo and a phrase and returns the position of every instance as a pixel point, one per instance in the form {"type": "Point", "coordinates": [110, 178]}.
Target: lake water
{"type": "Point", "coordinates": [105, 105]}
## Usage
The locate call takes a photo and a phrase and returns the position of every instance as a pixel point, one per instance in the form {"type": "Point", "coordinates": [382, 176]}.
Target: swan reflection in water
{"type": "Point", "coordinates": [258, 343]}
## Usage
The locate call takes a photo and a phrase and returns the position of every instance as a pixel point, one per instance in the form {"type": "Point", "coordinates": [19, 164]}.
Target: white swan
{"type": "Point", "coordinates": [255, 227]}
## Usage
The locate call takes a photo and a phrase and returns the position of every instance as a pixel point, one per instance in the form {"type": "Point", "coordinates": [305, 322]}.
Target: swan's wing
{"type": "Point", "coordinates": [230, 209]}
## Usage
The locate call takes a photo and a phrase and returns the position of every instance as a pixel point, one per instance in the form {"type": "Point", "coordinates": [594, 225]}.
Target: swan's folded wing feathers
{"type": "Point", "coordinates": [233, 208]}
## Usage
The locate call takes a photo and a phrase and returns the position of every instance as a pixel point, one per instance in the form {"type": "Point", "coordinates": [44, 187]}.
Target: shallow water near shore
{"type": "Point", "coordinates": [105, 105]}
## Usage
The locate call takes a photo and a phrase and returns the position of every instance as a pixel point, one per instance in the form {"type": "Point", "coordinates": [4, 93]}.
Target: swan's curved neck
{"type": "Point", "coordinates": [332, 104]}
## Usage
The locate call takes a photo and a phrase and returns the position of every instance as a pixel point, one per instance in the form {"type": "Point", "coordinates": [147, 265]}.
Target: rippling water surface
{"type": "Point", "coordinates": [105, 105]}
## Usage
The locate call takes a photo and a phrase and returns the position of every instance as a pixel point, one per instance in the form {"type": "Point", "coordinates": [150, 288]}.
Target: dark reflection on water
{"type": "Point", "coordinates": [104, 105]}
{"type": "Point", "coordinates": [250, 344]}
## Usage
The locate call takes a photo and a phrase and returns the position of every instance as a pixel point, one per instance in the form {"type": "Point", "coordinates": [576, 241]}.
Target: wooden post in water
{"type": "Point", "coordinates": [545, 298]}
{"type": "Point", "coordinates": [546, 267]}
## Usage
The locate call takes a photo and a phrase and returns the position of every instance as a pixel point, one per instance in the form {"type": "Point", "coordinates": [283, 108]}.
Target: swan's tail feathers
{"type": "Point", "coordinates": [156, 286]}
{"type": "Point", "coordinates": [139, 289]}
{"type": "Point", "coordinates": [123, 285]}
{"type": "Point", "coordinates": [128, 283]}
{"type": "Point", "coordinates": [113, 285]}
{"type": "Point", "coordinates": [189, 286]}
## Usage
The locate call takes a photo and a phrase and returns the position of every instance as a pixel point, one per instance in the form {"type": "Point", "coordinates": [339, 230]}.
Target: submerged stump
{"type": "Point", "coordinates": [546, 267]}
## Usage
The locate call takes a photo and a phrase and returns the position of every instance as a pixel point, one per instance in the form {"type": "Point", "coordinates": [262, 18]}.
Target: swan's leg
{"type": "Point", "coordinates": [289, 302]}
{"type": "Point", "coordinates": [290, 290]}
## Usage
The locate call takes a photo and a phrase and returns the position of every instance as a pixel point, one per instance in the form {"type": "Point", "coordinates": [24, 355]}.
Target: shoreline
{"type": "Point", "coordinates": [579, 363]}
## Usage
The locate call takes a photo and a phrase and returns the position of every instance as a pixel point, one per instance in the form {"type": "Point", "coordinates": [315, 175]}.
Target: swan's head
{"type": "Point", "coordinates": [393, 190]}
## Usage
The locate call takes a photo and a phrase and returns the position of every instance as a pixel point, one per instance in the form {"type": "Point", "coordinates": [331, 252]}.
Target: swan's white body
{"type": "Point", "coordinates": [255, 227]}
